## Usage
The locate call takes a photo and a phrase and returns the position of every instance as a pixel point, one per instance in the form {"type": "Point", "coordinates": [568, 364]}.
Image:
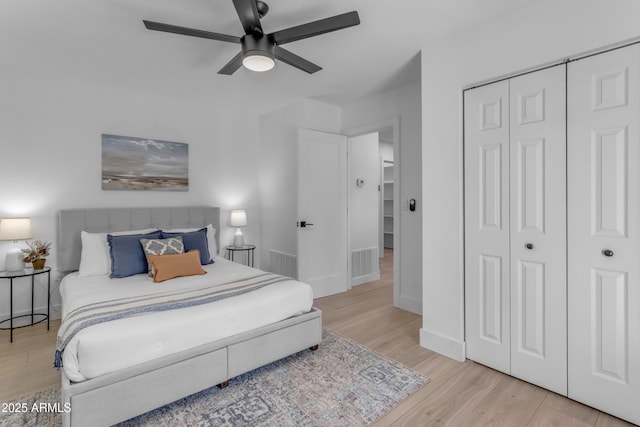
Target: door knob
{"type": "Point", "coordinates": [304, 224]}
{"type": "Point", "coordinates": [529, 246]}
{"type": "Point", "coordinates": [607, 252]}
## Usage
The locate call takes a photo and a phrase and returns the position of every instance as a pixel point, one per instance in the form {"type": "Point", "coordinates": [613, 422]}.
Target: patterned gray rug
{"type": "Point", "coordinates": [340, 384]}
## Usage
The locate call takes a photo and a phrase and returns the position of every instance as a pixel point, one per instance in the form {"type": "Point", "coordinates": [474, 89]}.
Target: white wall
{"type": "Point", "coordinates": [404, 104]}
{"type": "Point", "coordinates": [50, 150]}
{"type": "Point", "coordinates": [364, 200]}
{"type": "Point", "coordinates": [278, 170]}
{"type": "Point", "coordinates": [278, 177]}
{"type": "Point", "coordinates": [546, 31]}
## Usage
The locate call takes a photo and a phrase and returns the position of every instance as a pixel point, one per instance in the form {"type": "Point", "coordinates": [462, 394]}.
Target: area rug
{"type": "Point", "coordinates": [340, 384]}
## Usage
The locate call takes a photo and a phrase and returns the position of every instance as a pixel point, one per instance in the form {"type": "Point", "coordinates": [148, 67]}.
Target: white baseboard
{"type": "Point", "coordinates": [372, 277]}
{"type": "Point", "coordinates": [445, 346]}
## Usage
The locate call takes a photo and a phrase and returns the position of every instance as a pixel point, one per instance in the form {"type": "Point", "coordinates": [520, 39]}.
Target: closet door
{"type": "Point", "coordinates": [487, 324]}
{"type": "Point", "coordinates": [604, 231]}
{"type": "Point", "coordinates": [515, 227]}
{"type": "Point", "coordinates": [538, 228]}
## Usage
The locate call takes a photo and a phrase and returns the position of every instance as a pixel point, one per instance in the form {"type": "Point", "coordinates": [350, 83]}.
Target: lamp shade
{"type": "Point", "coordinates": [238, 218]}
{"type": "Point", "coordinates": [15, 228]}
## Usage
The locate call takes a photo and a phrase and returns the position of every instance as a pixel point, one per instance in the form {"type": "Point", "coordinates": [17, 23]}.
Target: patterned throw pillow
{"type": "Point", "coordinates": [171, 246]}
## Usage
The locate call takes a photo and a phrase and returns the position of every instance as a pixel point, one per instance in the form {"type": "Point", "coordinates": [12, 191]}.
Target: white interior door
{"type": "Point", "coordinates": [604, 215]}
{"type": "Point", "coordinates": [486, 158]}
{"type": "Point", "coordinates": [538, 228]}
{"type": "Point", "coordinates": [322, 212]}
{"type": "Point", "coordinates": [515, 227]}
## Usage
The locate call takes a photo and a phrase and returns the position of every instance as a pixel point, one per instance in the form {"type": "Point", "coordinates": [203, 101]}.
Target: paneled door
{"type": "Point", "coordinates": [515, 227]}
{"type": "Point", "coordinates": [486, 159]}
{"type": "Point", "coordinates": [322, 212]}
{"type": "Point", "coordinates": [604, 231]}
{"type": "Point", "coordinates": [537, 134]}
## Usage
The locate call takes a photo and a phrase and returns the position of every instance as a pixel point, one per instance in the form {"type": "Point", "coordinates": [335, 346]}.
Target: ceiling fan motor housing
{"type": "Point", "coordinates": [257, 44]}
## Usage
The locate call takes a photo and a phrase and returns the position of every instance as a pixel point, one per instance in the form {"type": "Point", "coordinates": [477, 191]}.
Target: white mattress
{"type": "Point", "coordinates": [110, 346]}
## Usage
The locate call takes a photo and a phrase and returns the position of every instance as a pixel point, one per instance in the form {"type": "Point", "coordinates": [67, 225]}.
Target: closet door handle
{"type": "Point", "coordinates": [607, 252]}
{"type": "Point", "coordinates": [529, 246]}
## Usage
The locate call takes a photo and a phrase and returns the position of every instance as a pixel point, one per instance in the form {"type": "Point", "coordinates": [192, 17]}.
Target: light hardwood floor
{"type": "Point", "coordinates": [459, 394]}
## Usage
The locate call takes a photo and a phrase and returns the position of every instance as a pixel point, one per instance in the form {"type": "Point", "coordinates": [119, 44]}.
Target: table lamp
{"type": "Point", "coordinates": [238, 219]}
{"type": "Point", "coordinates": [14, 229]}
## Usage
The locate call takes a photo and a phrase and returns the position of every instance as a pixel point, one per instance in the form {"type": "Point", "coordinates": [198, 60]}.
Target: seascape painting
{"type": "Point", "coordinates": [130, 163]}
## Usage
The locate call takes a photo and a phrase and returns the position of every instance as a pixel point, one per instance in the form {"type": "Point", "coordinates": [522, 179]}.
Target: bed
{"type": "Point", "coordinates": [112, 372]}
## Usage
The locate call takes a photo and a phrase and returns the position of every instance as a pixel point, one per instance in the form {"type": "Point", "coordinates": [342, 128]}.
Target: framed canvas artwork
{"type": "Point", "coordinates": [130, 163]}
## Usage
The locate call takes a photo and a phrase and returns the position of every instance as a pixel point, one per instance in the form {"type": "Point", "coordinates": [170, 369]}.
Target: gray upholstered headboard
{"type": "Point", "coordinates": [100, 220]}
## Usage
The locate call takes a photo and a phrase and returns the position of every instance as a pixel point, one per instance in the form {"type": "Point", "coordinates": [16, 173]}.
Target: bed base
{"type": "Point", "coordinates": [118, 396]}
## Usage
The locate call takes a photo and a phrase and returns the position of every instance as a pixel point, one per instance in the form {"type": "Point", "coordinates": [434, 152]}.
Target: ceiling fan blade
{"type": "Point", "coordinates": [168, 28]}
{"type": "Point", "coordinates": [315, 28]}
{"type": "Point", "coordinates": [294, 60]}
{"type": "Point", "coordinates": [232, 66]}
{"type": "Point", "coordinates": [249, 16]}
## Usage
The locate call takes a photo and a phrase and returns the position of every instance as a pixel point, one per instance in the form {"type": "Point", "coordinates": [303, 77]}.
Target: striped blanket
{"type": "Point", "coordinates": [105, 311]}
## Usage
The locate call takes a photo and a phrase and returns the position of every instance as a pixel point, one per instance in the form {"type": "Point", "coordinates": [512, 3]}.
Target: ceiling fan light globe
{"type": "Point", "coordinates": [258, 63]}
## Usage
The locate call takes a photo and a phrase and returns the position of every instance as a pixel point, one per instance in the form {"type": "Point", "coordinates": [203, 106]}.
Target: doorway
{"type": "Point", "coordinates": [385, 184]}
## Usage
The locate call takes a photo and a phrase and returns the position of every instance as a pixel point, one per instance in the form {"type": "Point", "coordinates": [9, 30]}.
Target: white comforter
{"type": "Point", "coordinates": [115, 345]}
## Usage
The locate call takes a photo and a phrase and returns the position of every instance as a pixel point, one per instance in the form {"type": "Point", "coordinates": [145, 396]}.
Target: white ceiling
{"type": "Point", "coordinates": [103, 42]}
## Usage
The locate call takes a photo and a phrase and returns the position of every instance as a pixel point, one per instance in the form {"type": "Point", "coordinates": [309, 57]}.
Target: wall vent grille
{"type": "Point", "coordinates": [364, 262]}
{"type": "Point", "coordinates": [284, 264]}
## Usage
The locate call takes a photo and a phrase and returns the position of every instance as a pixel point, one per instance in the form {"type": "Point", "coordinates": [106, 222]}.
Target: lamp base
{"type": "Point", "coordinates": [13, 261]}
{"type": "Point", "coordinates": [238, 240]}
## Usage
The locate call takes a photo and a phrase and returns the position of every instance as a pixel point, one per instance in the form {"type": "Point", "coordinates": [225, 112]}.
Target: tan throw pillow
{"type": "Point", "coordinates": [167, 267]}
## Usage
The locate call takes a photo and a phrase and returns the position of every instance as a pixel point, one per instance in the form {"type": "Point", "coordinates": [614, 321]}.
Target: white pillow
{"type": "Point", "coordinates": [211, 237]}
{"type": "Point", "coordinates": [95, 259]}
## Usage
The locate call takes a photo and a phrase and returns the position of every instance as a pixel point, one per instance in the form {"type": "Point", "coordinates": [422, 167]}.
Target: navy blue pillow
{"type": "Point", "coordinates": [127, 255]}
{"type": "Point", "coordinates": [194, 240]}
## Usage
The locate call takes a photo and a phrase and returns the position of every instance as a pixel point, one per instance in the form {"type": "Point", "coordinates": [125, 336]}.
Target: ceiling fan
{"type": "Point", "coordinates": [259, 50]}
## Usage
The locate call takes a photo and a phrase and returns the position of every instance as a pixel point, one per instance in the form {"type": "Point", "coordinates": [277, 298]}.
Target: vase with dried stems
{"type": "Point", "coordinates": [37, 253]}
